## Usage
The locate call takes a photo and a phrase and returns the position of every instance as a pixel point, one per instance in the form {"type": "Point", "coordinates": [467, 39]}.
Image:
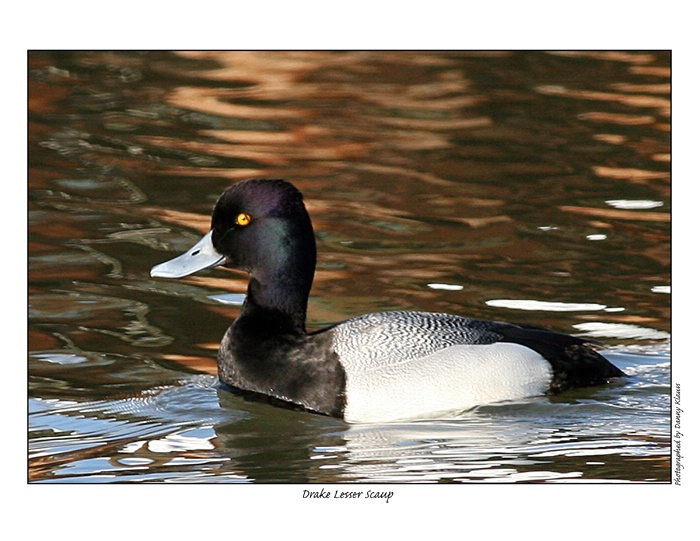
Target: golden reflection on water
{"type": "Point", "coordinates": [308, 117]}
{"type": "Point", "coordinates": [382, 144]}
{"type": "Point", "coordinates": [318, 126]}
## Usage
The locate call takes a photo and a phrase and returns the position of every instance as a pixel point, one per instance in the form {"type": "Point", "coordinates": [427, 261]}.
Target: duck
{"type": "Point", "coordinates": [372, 368]}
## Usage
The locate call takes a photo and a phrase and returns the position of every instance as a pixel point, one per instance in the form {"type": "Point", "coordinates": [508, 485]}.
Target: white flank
{"type": "Point", "coordinates": [455, 378]}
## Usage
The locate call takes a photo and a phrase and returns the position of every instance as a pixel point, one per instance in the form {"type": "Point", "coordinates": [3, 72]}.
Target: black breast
{"type": "Point", "coordinates": [262, 354]}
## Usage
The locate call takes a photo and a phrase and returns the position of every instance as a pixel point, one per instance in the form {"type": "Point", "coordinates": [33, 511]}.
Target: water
{"type": "Point", "coordinates": [531, 187]}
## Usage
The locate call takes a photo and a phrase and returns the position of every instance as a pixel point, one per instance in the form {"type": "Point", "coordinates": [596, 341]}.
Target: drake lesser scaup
{"type": "Point", "coordinates": [373, 368]}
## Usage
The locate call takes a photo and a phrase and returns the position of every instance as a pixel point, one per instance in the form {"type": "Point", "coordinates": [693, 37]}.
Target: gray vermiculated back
{"type": "Point", "coordinates": [380, 339]}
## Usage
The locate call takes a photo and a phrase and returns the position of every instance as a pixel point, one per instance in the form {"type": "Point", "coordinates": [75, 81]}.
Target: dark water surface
{"type": "Point", "coordinates": [531, 187]}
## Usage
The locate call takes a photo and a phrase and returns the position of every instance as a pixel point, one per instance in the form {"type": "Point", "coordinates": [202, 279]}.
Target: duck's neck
{"type": "Point", "coordinates": [278, 291]}
{"type": "Point", "coordinates": [279, 305]}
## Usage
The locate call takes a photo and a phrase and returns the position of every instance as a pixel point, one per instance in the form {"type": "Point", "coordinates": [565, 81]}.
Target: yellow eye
{"type": "Point", "coordinates": [243, 219]}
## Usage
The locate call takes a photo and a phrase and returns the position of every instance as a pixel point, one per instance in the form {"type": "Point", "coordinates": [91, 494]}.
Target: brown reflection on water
{"type": "Point", "coordinates": [204, 365]}
{"type": "Point", "coordinates": [663, 105]}
{"type": "Point", "coordinates": [638, 176]}
{"type": "Point", "coordinates": [382, 144]}
{"type": "Point", "coordinates": [198, 222]}
{"type": "Point", "coordinates": [326, 107]}
{"type": "Point", "coordinates": [615, 214]}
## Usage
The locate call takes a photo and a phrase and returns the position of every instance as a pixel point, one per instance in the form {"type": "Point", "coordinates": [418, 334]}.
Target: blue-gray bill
{"type": "Point", "coordinates": [201, 256]}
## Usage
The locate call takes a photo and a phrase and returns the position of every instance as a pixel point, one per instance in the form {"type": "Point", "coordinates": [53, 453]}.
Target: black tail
{"type": "Point", "coordinates": [574, 362]}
